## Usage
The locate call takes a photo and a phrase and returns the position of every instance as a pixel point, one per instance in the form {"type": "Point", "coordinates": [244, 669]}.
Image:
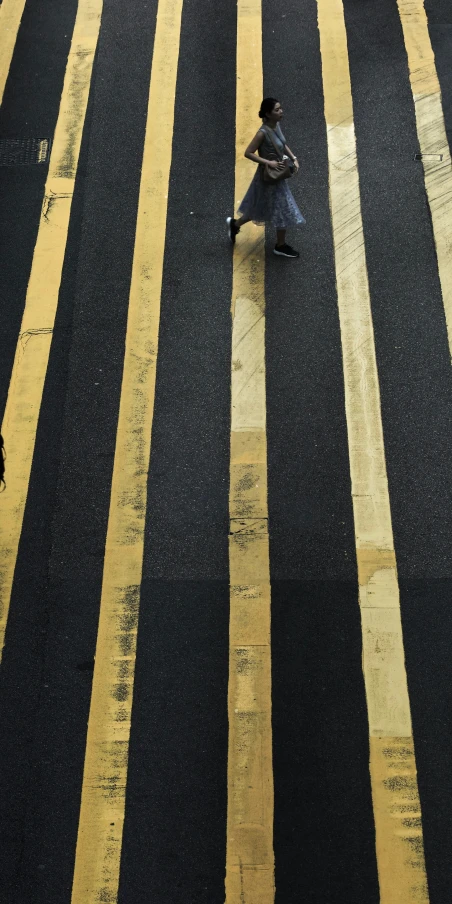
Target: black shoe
{"type": "Point", "coordinates": [285, 251]}
{"type": "Point", "coordinates": [233, 229]}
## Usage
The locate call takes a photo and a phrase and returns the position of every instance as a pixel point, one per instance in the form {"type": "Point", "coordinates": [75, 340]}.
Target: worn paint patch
{"type": "Point", "coordinates": [248, 490]}
{"type": "Point", "coordinates": [371, 562]}
{"type": "Point", "coordinates": [377, 577]}
{"type": "Point", "coordinates": [399, 838]}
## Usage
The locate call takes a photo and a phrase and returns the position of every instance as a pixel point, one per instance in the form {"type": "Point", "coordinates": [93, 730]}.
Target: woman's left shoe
{"type": "Point", "coordinates": [233, 229]}
{"type": "Point", "coordinates": [285, 251]}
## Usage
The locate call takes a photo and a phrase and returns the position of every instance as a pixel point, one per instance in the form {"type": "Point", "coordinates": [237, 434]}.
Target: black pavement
{"type": "Point", "coordinates": [175, 826]}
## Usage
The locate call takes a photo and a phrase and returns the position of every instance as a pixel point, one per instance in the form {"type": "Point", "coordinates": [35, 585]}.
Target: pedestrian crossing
{"type": "Point", "coordinates": [250, 868]}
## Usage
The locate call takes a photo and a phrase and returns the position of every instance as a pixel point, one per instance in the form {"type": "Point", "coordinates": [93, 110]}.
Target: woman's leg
{"type": "Point", "coordinates": [233, 225]}
{"type": "Point", "coordinates": [280, 237]}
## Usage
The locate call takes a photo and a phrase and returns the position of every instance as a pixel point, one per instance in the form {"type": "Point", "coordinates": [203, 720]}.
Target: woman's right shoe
{"type": "Point", "coordinates": [285, 251]}
{"type": "Point", "coordinates": [233, 229]}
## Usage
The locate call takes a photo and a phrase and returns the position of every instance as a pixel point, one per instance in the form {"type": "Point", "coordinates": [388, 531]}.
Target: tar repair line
{"type": "Point", "coordinates": [396, 804]}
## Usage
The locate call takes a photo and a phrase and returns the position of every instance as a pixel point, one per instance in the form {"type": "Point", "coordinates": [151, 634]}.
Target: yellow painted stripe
{"type": "Point", "coordinates": [432, 140]}
{"type": "Point", "coordinates": [97, 864]}
{"type": "Point", "coordinates": [11, 12]}
{"type": "Point", "coordinates": [35, 337]}
{"type": "Point", "coordinates": [250, 858]}
{"type": "Point", "coordinates": [397, 811]}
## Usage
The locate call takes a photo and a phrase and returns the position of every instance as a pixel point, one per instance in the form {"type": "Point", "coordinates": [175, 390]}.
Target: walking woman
{"type": "Point", "coordinates": [268, 200]}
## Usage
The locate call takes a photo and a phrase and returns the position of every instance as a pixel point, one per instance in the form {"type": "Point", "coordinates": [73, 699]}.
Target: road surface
{"type": "Point", "coordinates": [226, 532]}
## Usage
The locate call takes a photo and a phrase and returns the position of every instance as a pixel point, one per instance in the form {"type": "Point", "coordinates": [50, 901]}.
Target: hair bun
{"type": "Point", "coordinates": [267, 106]}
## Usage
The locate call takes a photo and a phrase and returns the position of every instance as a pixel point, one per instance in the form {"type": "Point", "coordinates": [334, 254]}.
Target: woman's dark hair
{"type": "Point", "coordinates": [267, 106]}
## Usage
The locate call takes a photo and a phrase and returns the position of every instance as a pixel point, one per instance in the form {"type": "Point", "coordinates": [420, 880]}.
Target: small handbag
{"type": "Point", "coordinates": [269, 173]}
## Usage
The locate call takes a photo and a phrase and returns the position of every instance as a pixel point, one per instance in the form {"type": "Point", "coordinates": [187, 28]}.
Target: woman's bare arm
{"type": "Point", "coordinates": [291, 155]}
{"type": "Point", "coordinates": [250, 152]}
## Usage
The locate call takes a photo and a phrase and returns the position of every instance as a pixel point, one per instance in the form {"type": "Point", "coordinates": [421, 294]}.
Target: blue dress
{"type": "Point", "coordinates": [265, 202]}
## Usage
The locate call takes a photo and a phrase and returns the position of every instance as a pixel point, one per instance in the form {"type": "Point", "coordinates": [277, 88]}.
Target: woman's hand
{"type": "Point", "coordinates": [296, 166]}
{"type": "Point", "coordinates": [275, 164]}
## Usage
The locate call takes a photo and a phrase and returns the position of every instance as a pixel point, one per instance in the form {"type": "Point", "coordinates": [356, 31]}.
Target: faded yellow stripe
{"type": "Point", "coordinates": [250, 859]}
{"type": "Point", "coordinates": [432, 140]}
{"type": "Point", "coordinates": [35, 337]}
{"type": "Point", "coordinates": [11, 12]}
{"type": "Point", "coordinates": [97, 864]}
{"type": "Point", "coordinates": [397, 810]}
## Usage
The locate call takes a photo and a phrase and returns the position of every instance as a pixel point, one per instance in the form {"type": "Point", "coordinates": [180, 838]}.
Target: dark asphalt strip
{"type": "Point", "coordinates": [47, 669]}
{"type": "Point", "coordinates": [175, 830]}
{"type": "Point", "coordinates": [416, 394]}
{"type": "Point", "coordinates": [29, 110]}
{"type": "Point", "coordinates": [324, 830]}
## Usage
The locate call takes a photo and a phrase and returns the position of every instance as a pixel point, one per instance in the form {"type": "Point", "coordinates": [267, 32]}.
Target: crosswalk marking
{"type": "Point", "coordinates": [11, 12]}
{"type": "Point", "coordinates": [250, 858]}
{"type": "Point", "coordinates": [33, 347]}
{"type": "Point", "coordinates": [397, 811]}
{"type": "Point", "coordinates": [432, 140]}
{"type": "Point", "coordinates": [97, 865]}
